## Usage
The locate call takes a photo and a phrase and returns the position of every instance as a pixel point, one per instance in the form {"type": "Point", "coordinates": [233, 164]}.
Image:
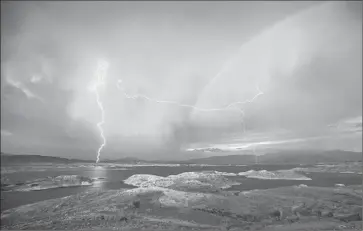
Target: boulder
{"type": "Point", "coordinates": [348, 217]}
{"type": "Point", "coordinates": [326, 213]}
{"type": "Point", "coordinates": [276, 214]}
{"type": "Point", "coordinates": [292, 219]}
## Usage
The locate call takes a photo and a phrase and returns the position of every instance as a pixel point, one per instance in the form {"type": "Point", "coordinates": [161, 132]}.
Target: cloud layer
{"type": "Point", "coordinates": [305, 57]}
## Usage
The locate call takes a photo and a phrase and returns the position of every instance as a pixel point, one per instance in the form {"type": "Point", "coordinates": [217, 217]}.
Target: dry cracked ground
{"type": "Point", "coordinates": [167, 207]}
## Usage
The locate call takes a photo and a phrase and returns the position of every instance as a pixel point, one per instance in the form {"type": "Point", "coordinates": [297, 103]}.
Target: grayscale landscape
{"type": "Point", "coordinates": [181, 115]}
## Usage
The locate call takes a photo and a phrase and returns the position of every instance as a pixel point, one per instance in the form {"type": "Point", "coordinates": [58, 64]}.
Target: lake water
{"type": "Point", "coordinates": [113, 179]}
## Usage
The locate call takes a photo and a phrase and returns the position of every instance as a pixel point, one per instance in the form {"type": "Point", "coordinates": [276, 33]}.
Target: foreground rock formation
{"type": "Point", "coordinates": [349, 167]}
{"type": "Point", "coordinates": [49, 182]}
{"type": "Point", "coordinates": [275, 175]}
{"type": "Point", "coordinates": [198, 181]}
{"type": "Point", "coordinates": [188, 201]}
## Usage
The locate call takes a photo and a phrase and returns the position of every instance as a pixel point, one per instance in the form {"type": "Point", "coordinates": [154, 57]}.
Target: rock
{"type": "Point", "coordinates": [297, 209]}
{"type": "Point", "coordinates": [274, 175]}
{"type": "Point", "coordinates": [326, 213]}
{"type": "Point", "coordinates": [123, 219]}
{"type": "Point", "coordinates": [348, 217]}
{"type": "Point", "coordinates": [52, 182]}
{"type": "Point", "coordinates": [292, 219]}
{"type": "Point", "coordinates": [301, 186]}
{"type": "Point", "coordinates": [276, 214]}
{"type": "Point", "coordinates": [316, 212]}
{"type": "Point", "coordinates": [190, 180]}
{"type": "Point", "coordinates": [305, 212]}
{"type": "Point", "coordinates": [357, 209]}
{"type": "Point", "coordinates": [136, 204]}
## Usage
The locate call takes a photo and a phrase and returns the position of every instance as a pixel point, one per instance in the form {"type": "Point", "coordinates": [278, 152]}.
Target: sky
{"type": "Point", "coordinates": [305, 57]}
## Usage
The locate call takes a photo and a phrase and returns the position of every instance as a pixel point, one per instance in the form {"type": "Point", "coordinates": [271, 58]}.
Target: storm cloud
{"type": "Point", "coordinates": [305, 56]}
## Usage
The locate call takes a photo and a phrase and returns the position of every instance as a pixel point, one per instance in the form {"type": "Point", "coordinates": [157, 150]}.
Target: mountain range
{"type": "Point", "coordinates": [277, 157]}
{"type": "Point", "coordinates": [7, 159]}
{"type": "Point", "coordinates": [284, 157]}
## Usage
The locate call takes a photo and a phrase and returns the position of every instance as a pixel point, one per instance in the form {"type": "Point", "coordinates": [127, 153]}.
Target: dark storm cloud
{"type": "Point", "coordinates": [166, 50]}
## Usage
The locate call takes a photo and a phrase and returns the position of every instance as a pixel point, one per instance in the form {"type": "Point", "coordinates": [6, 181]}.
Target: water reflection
{"type": "Point", "coordinates": [98, 173]}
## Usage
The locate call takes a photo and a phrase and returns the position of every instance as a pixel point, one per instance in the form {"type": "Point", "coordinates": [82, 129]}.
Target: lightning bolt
{"type": "Point", "coordinates": [100, 74]}
{"type": "Point", "coordinates": [231, 106]}
{"type": "Point", "coordinates": [227, 107]}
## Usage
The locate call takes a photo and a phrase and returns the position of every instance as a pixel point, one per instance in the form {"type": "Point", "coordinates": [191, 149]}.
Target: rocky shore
{"type": "Point", "coordinates": [178, 202]}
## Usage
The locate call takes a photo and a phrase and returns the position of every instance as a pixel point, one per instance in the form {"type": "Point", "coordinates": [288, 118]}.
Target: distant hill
{"type": "Point", "coordinates": [9, 159]}
{"type": "Point", "coordinates": [284, 157]}
{"type": "Point", "coordinates": [225, 160]}
{"type": "Point", "coordinates": [312, 157]}
{"type": "Point", "coordinates": [132, 160]}
{"type": "Point", "coordinates": [281, 157]}
{"type": "Point", "coordinates": [127, 160]}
